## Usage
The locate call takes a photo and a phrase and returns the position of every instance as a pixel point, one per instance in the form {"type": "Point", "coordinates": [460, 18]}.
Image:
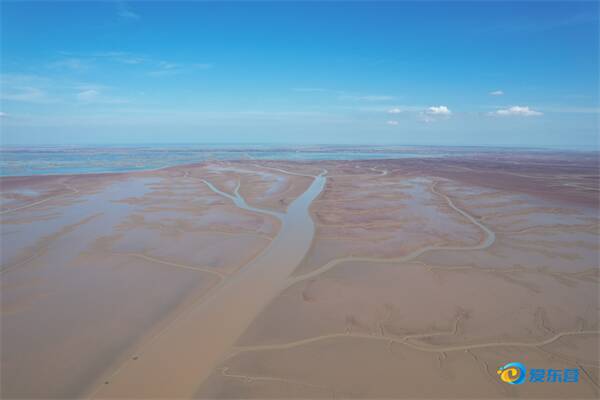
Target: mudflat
{"type": "Point", "coordinates": [273, 279]}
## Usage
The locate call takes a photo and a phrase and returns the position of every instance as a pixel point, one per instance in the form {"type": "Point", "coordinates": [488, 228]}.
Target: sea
{"type": "Point", "coordinates": [59, 160]}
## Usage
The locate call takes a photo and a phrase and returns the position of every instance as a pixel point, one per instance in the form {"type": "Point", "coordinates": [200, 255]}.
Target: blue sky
{"type": "Point", "coordinates": [449, 73]}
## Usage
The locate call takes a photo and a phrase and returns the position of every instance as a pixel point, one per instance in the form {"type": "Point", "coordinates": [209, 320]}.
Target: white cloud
{"type": "Point", "coordinates": [88, 95]}
{"type": "Point", "coordinates": [438, 110]}
{"type": "Point", "coordinates": [125, 12]}
{"type": "Point", "coordinates": [45, 90]}
{"type": "Point", "coordinates": [3, 114]}
{"type": "Point", "coordinates": [399, 109]}
{"type": "Point", "coordinates": [167, 65]}
{"type": "Point", "coordinates": [128, 14]}
{"type": "Point", "coordinates": [391, 122]}
{"type": "Point", "coordinates": [121, 57]}
{"type": "Point", "coordinates": [423, 114]}
{"type": "Point", "coordinates": [131, 60]}
{"type": "Point", "coordinates": [166, 68]}
{"type": "Point", "coordinates": [26, 94]}
{"type": "Point", "coordinates": [156, 67]}
{"type": "Point", "coordinates": [71, 63]}
{"type": "Point", "coordinates": [496, 93]}
{"type": "Point", "coordinates": [434, 113]}
{"type": "Point", "coordinates": [96, 94]}
{"type": "Point", "coordinates": [522, 111]}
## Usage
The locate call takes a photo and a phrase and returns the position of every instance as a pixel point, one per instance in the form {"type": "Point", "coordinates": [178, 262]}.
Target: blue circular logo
{"type": "Point", "coordinates": [512, 373]}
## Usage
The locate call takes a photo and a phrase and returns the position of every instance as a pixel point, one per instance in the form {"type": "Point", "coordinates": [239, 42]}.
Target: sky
{"type": "Point", "coordinates": [383, 72]}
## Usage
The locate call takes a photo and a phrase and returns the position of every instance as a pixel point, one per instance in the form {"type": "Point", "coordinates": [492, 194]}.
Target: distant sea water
{"type": "Point", "coordinates": [56, 160]}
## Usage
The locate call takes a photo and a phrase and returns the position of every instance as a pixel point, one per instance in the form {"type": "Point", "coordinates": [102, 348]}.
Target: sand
{"type": "Point", "coordinates": [406, 278]}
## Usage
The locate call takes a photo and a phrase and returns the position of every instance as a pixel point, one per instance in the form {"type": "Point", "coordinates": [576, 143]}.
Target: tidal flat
{"type": "Point", "coordinates": [379, 278]}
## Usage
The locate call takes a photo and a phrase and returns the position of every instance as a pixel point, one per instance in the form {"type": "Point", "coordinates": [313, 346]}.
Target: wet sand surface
{"type": "Point", "coordinates": [267, 279]}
